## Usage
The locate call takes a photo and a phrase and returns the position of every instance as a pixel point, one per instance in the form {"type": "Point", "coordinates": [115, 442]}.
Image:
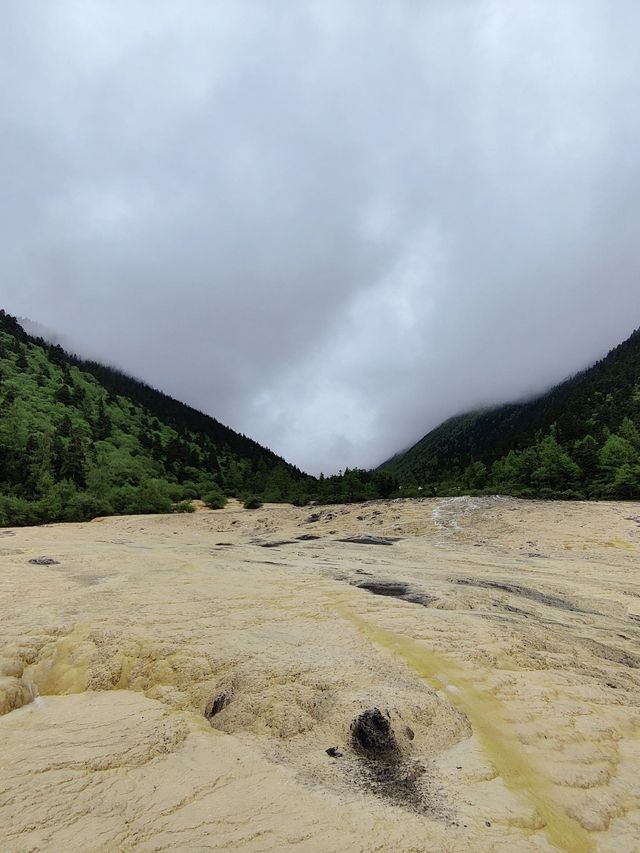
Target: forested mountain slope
{"type": "Point", "coordinates": [79, 439]}
{"type": "Point", "coordinates": [580, 439]}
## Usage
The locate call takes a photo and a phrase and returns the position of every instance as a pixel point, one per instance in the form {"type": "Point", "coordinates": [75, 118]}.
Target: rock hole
{"type": "Point", "coordinates": [216, 704]}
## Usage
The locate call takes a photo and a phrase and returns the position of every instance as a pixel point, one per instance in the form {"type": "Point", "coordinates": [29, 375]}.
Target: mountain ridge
{"type": "Point", "coordinates": [596, 402]}
{"type": "Point", "coordinates": [80, 439]}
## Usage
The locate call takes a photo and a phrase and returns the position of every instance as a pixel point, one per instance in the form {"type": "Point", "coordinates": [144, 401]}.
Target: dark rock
{"type": "Point", "coordinates": [370, 540]}
{"type": "Point", "coordinates": [44, 561]}
{"type": "Point", "coordinates": [216, 704]}
{"type": "Point", "coordinates": [318, 516]}
{"type": "Point", "coordinates": [395, 589]}
{"type": "Point", "coordinates": [372, 735]}
{"type": "Point", "coordinates": [307, 537]}
{"type": "Point", "coordinates": [409, 732]}
{"type": "Point", "coordinates": [276, 543]}
{"type": "Point", "coordinates": [420, 598]}
{"type": "Point", "coordinates": [381, 767]}
{"type": "Point", "coordinates": [524, 592]}
{"type": "Point", "coordinates": [334, 752]}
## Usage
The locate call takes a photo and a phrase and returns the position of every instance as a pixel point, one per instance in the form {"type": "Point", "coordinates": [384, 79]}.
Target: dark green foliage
{"type": "Point", "coordinates": [252, 502]}
{"type": "Point", "coordinates": [79, 440]}
{"type": "Point", "coordinates": [74, 464]}
{"type": "Point", "coordinates": [215, 499]}
{"type": "Point", "coordinates": [581, 439]}
{"type": "Point", "coordinates": [103, 425]}
{"type": "Point", "coordinates": [63, 395]}
{"type": "Point", "coordinates": [184, 506]}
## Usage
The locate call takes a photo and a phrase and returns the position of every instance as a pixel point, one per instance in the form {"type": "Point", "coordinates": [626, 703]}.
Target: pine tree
{"type": "Point", "coordinates": [74, 466]}
{"type": "Point", "coordinates": [65, 427]}
{"type": "Point", "coordinates": [103, 424]}
{"type": "Point", "coordinates": [63, 395]}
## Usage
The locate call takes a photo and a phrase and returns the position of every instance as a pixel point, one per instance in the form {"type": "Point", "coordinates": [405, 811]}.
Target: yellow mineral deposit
{"type": "Point", "coordinates": [170, 683]}
{"type": "Point", "coordinates": [488, 721]}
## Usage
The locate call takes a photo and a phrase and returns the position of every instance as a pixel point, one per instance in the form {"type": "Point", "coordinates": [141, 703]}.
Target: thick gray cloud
{"type": "Point", "coordinates": [329, 224]}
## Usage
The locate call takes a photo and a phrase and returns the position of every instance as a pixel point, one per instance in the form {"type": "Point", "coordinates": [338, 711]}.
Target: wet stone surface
{"type": "Point", "coordinates": [396, 589]}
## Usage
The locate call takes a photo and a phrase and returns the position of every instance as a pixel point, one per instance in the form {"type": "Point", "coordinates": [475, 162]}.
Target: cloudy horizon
{"type": "Point", "coordinates": [330, 225]}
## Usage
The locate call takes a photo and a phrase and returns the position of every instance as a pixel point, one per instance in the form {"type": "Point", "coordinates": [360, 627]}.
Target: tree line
{"type": "Point", "coordinates": [580, 440]}
{"type": "Point", "coordinates": [78, 440]}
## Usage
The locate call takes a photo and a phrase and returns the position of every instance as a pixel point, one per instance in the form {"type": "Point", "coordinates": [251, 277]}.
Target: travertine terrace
{"type": "Point", "coordinates": [174, 682]}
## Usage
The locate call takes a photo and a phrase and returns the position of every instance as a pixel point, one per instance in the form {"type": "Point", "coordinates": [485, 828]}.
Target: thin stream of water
{"type": "Point", "coordinates": [489, 724]}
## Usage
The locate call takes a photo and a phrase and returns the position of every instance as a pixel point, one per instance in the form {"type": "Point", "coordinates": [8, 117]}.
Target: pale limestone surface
{"type": "Point", "coordinates": [513, 688]}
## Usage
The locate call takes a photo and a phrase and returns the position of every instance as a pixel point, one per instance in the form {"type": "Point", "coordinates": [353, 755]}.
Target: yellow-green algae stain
{"type": "Point", "coordinates": [489, 724]}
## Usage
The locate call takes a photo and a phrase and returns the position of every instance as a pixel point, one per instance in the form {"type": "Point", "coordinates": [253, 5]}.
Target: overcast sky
{"type": "Point", "coordinates": [329, 224]}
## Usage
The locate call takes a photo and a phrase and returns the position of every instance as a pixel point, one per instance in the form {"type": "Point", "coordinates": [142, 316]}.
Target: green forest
{"type": "Point", "coordinates": [80, 440]}
{"type": "Point", "coordinates": [581, 440]}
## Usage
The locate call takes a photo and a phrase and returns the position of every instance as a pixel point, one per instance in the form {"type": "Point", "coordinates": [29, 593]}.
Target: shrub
{"type": "Point", "coordinates": [214, 499]}
{"type": "Point", "coordinates": [184, 506]}
{"type": "Point", "coordinates": [16, 512]}
{"type": "Point", "coordinates": [252, 502]}
{"type": "Point", "coordinates": [189, 491]}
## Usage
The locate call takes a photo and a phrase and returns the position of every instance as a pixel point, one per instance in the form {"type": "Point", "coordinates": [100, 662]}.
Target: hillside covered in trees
{"type": "Point", "coordinates": [579, 440]}
{"type": "Point", "coordinates": [79, 439]}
